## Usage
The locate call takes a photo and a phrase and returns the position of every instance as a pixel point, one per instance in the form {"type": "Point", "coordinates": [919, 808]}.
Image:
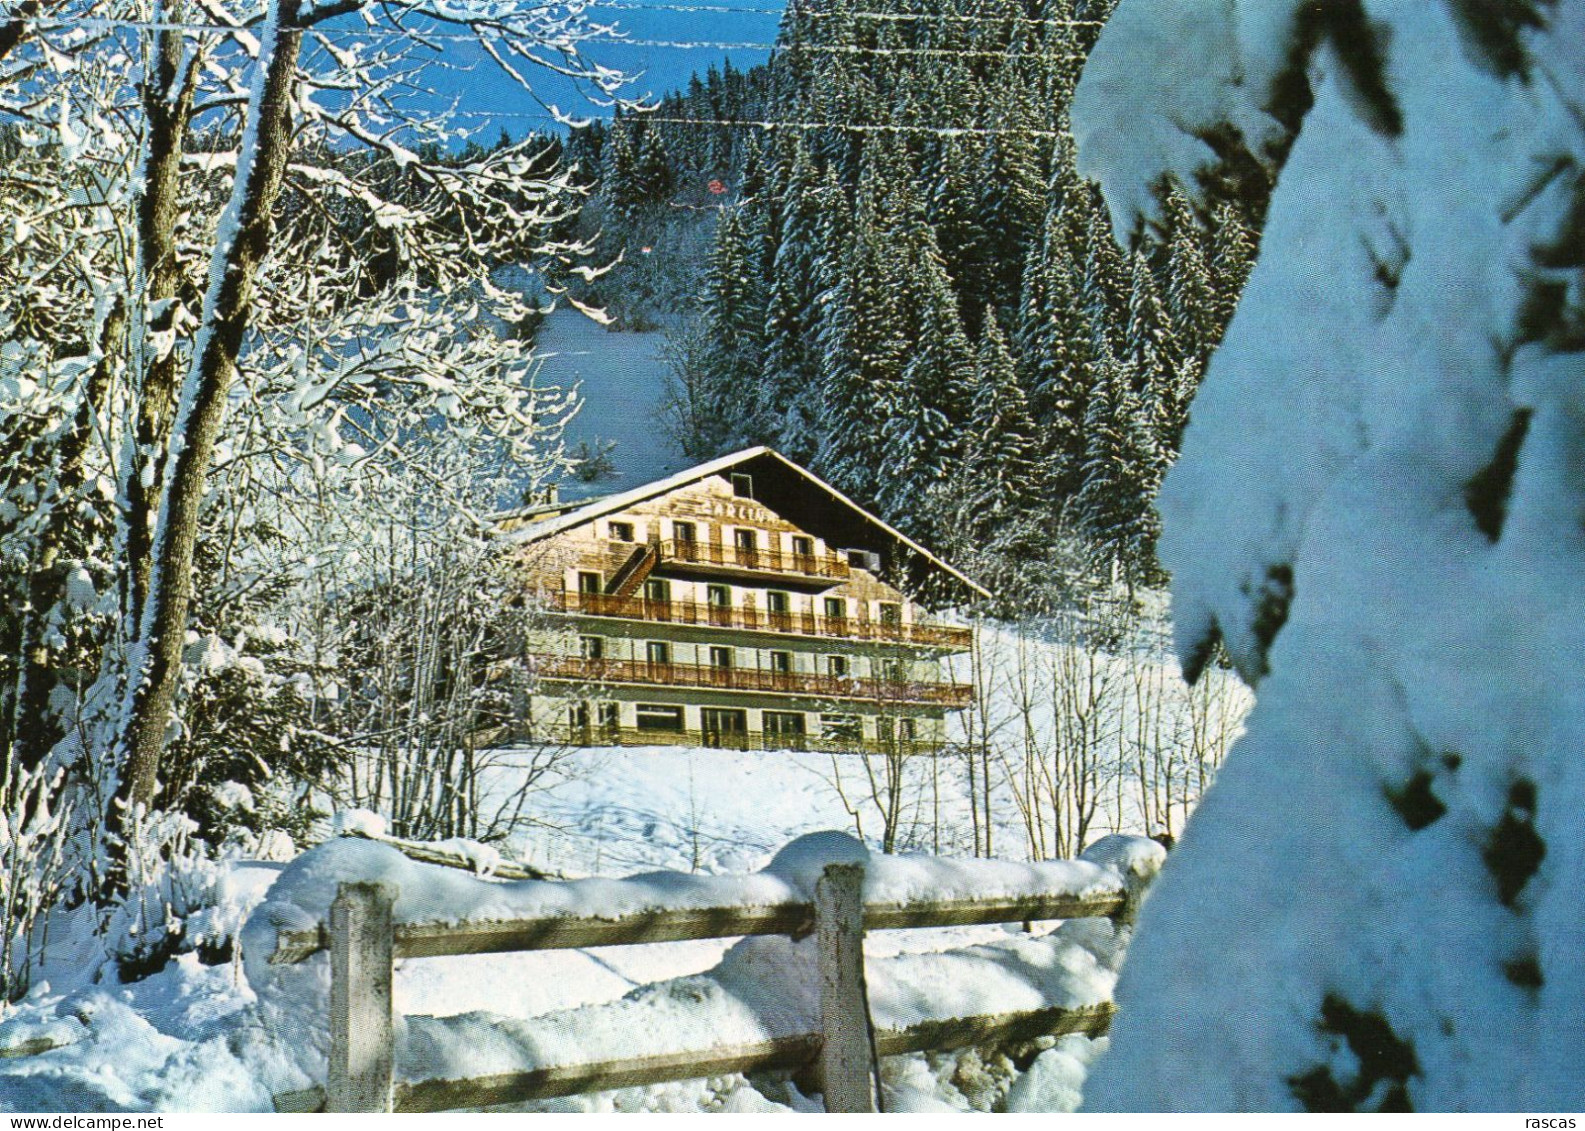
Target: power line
{"type": "Point", "coordinates": [772, 125]}
{"type": "Point", "coordinates": [109, 24]}
{"type": "Point", "coordinates": [726, 10]}
{"type": "Point", "coordinates": [891, 17]}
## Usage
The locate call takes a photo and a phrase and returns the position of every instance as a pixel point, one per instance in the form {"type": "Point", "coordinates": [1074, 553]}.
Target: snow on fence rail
{"type": "Point", "coordinates": [824, 886]}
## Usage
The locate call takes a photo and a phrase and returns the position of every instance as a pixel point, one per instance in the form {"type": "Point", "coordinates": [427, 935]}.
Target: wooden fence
{"type": "Point", "coordinates": [364, 942]}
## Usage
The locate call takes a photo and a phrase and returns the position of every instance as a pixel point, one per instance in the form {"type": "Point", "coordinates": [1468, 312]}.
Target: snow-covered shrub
{"type": "Point", "coordinates": [34, 830]}
{"type": "Point", "coordinates": [1379, 510]}
{"type": "Point", "coordinates": [171, 880]}
{"type": "Point", "coordinates": [248, 757]}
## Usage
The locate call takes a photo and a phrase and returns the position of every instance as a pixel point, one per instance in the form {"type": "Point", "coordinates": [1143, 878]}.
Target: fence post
{"type": "Point", "coordinates": [361, 1056]}
{"type": "Point", "coordinates": [847, 1064]}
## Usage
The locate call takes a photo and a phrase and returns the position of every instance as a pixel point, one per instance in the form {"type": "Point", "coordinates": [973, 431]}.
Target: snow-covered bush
{"type": "Point", "coordinates": [247, 758]}
{"type": "Point", "coordinates": [34, 830]}
{"type": "Point", "coordinates": [1379, 510]}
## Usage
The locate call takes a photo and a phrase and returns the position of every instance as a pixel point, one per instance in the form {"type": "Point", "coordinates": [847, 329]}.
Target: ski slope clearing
{"type": "Point", "coordinates": [622, 377]}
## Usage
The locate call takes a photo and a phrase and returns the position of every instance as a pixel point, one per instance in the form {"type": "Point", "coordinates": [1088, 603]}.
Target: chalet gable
{"type": "Point", "coordinates": [757, 490]}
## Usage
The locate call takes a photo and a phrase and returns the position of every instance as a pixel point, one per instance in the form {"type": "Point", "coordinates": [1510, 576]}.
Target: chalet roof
{"type": "Point", "coordinates": [801, 497]}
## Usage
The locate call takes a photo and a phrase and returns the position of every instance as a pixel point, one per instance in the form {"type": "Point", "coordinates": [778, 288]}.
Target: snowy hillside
{"type": "Point", "coordinates": [622, 379]}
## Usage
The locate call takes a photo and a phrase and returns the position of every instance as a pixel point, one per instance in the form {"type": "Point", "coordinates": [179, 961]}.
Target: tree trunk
{"type": "Point", "coordinates": [167, 97]}
{"type": "Point", "coordinates": [242, 242]}
{"type": "Point", "coordinates": [34, 729]}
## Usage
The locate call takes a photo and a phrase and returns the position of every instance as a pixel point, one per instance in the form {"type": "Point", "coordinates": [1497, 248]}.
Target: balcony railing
{"type": "Point", "coordinates": [693, 613]}
{"type": "Point", "coordinates": [596, 735]}
{"type": "Point", "coordinates": [827, 566]}
{"type": "Point", "coordinates": [806, 684]}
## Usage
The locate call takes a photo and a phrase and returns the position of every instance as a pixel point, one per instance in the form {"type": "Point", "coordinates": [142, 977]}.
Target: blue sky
{"type": "Point", "coordinates": [659, 58]}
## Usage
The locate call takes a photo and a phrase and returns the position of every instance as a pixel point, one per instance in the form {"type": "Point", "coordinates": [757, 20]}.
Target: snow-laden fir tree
{"type": "Point", "coordinates": [1122, 467]}
{"type": "Point", "coordinates": [1380, 508]}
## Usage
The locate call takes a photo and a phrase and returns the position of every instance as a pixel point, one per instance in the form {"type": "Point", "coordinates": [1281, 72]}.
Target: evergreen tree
{"type": "Point", "coordinates": [1191, 290]}
{"type": "Point", "coordinates": [1004, 463]}
{"type": "Point", "coordinates": [1234, 248]}
{"type": "Point", "coordinates": [1054, 348]}
{"type": "Point", "coordinates": [1121, 471]}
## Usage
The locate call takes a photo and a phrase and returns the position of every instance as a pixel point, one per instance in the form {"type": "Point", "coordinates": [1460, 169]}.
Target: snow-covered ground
{"type": "Point", "coordinates": [196, 1037]}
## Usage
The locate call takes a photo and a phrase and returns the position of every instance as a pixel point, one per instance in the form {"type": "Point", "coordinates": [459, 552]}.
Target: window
{"type": "Point", "coordinates": [622, 532]}
{"type": "Point", "coordinates": [781, 662]}
{"type": "Point", "coordinates": [745, 540]}
{"type": "Point", "coordinates": [842, 728]}
{"type": "Point", "coordinates": [803, 547]}
{"type": "Point", "coordinates": [907, 729]}
{"type": "Point", "coordinates": [892, 670]}
{"type": "Point", "coordinates": [864, 559]}
{"type": "Point", "coordinates": [885, 731]}
{"type": "Point", "coordinates": [657, 652]}
{"type": "Point", "coordinates": [591, 647]}
{"type": "Point", "coordinates": [777, 602]}
{"type": "Point", "coordinates": [653, 716]}
{"type": "Point", "coordinates": [610, 717]}
{"type": "Point", "coordinates": [891, 613]}
{"type": "Point", "coordinates": [743, 486]}
{"type": "Point", "coordinates": [785, 725]}
{"type": "Point", "coordinates": [837, 665]}
{"type": "Point", "coordinates": [724, 726]}
{"type": "Point", "coordinates": [721, 657]}
{"type": "Point", "coordinates": [657, 589]}
{"type": "Point", "coordinates": [578, 716]}
{"type": "Point", "coordinates": [684, 532]}
{"type": "Point", "coordinates": [836, 608]}
{"type": "Point", "coordinates": [589, 583]}
{"type": "Point", "coordinates": [718, 596]}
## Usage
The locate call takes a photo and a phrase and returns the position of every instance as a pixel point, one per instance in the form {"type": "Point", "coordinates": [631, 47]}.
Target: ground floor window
{"type": "Point", "coordinates": [653, 716]}
{"type": "Point", "coordinates": [724, 726]}
{"type": "Point", "coordinates": [785, 726]}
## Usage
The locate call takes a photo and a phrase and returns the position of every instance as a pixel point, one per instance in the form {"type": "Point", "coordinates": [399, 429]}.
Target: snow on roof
{"type": "Point", "coordinates": [611, 504]}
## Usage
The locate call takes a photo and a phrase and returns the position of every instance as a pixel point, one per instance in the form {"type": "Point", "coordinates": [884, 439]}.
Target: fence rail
{"type": "Point", "coordinates": [364, 943]}
{"type": "Point", "coordinates": [704, 615]}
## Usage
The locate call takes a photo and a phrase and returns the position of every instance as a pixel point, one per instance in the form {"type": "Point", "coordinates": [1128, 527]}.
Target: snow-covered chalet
{"type": "Point", "coordinates": [743, 603]}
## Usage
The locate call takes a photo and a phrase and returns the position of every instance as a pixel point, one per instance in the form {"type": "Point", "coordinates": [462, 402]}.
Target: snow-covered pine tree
{"type": "Point", "coordinates": [1004, 462]}
{"type": "Point", "coordinates": [1155, 356]}
{"type": "Point", "coordinates": [1054, 341]}
{"type": "Point", "coordinates": [1191, 290]}
{"type": "Point", "coordinates": [1232, 256]}
{"type": "Point", "coordinates": [1122, 468]}
{"type": "Point", "coordinates": [862, 350]}
{"type": "Point", "coordinates": [791, 364]}
{"type": "Point", "coordinates": [1378, 509]}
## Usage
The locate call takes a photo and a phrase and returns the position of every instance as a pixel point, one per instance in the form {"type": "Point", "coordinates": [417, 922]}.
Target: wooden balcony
{"type": "Point", "coordinates": [709, 557]}
{"type": "Point", "coordinates": [595, 735]}
{"type": "Point", "coordinates": [696, 615]}
{"type": "Point", "coordinates": [806, 685]}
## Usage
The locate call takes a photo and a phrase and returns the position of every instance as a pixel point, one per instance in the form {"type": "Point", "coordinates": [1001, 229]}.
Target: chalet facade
{"type": "Point", "coordinates": [743, 603]}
